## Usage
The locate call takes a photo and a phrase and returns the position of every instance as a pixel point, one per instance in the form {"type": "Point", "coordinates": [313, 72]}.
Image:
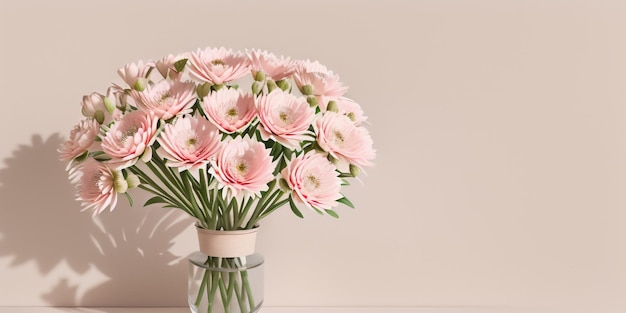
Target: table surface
{"type": "Point", "coordinates": [271, 310]}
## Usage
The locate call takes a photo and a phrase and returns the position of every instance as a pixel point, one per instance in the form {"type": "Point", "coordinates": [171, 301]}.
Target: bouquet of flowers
{"type": "Point", "coordinates": [227, 137]}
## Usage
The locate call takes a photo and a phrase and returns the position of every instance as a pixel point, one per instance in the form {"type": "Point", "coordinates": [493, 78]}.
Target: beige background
{"type": "Point", "coordinates": [500, 130]}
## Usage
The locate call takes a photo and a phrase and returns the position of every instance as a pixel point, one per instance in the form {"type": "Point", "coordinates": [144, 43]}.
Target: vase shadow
{"type": "Point", "coordinates": [41, 222]}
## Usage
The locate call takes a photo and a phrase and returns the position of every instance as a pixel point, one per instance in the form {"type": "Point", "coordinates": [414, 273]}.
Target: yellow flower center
{"type": "Point", "coordinates": [312, 181]}
{"type": "Point", "coordinates": [191, 141]}
{"type": "Point", "coordinates": [218, 62]}
{"type": "Point", "coordinates": [232, 112]}
{"type": "Point", "coordinates": [128, 133]}
{"type": "Point", "coordinates": [338, 136]}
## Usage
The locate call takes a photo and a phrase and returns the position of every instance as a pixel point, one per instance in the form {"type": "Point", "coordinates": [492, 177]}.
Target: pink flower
{"type": "Point", "coordinates": [229, 109]}
{"type": "Point", "coordinates": [82, 138]}
{"type": "Point", "coordinates": [284, 118]}
{"type": "Point", "coordinates": [98, 186]}
{"type": "Point", "coordinates": [348, 107]}
{"type": "Point", "coordinates": [272, 66]}
{"type": "Point", "coordinates": [166, 68]}
{"type": "Point", "coordinates": [313, 180]}
{"type": "Point", "coordinates": [189, 143]}
{"type": "Point", "coordinates": [217, 66]}
{"type": "Point", "coordinates": [345, 141]}
{"type": "Point", "coordinates": [132, 72]}
{"type": "Point", "coordinates": [324, 83]}
{"type": "Point", "coordinates": [93, 105]}
{"type": "Point", "coordinates": [130, 138]}
{"type": "Point", "coordinates": [243, 167]}
{"type": "Point", "coordinates": [118, 98]}
{"type": "Point", "coordinates": [166, 99]}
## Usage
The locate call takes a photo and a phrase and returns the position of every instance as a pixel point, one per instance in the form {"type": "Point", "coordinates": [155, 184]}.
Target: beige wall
{"type": "Point", "coordinates": [500, 128]}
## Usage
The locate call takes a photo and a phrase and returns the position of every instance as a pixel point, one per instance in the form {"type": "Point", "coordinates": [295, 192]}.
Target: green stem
{"type": "Point", "coordinates": [247, 288]}
{"type": "Point", "coordinates": [244, 213]}
{"type": "Point", "coordinates": [174, 189]}
{"type": "Point", "coordinates": [203, 284]}
{"type": "Point", "coordinates": [260, 205]}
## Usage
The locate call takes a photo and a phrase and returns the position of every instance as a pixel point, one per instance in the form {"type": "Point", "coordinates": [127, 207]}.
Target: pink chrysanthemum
{"type": "Point", "coordinates": [166, 99]}
{"type": "Point", "coordinates": [217, 65]}
{"type": "Point", "coordinates": [313, 180]}
{"type": "Point", "coordinates": [344, 140]}
{"type": "Point", "coordinates": [98, 186]}
{"type": "Point", "coordinates": [82, 138]}
{"type": "Point", "coordinates": [272, 66]}
{"type": "Point", "coordinates": [229, 109]}
{"type": "Point", "coordinates": [189, 143]}
{"type": "Point", "coordinates": [284, 118]}
{"type": "Point", "coordinates": [324, 83]}
{"type": "Point", "coordinates": [243, 167]}
{"type": "Point", "coordinates": [130, 138]}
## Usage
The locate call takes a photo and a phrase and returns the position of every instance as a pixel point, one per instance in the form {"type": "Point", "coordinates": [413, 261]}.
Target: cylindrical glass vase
{"type": "Point", "coordinates": [225, 284]}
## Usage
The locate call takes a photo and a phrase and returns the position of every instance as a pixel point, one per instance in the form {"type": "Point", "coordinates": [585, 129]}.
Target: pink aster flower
{"type": "Point", "coordinates": [272, 66]}
{"type": "Point", "coordinates": [98, 186]}
{"type": "Point", "coordinates": [243, 167]}
{"type": "Point", "coordinates": [189, 143]}
{"type": "Point", "coordinates": [217, 66]}
{"type": "Point", "coordinates": [313, 180]}
{"type": "Point", "coordinates": [344, 140]}
{"type": "Point", "coordinates": [229, 109]}
{"type": "Point", "coordinates": [284, 118]}
{"type": "Point", "coordinates": [132, 72]}
{"type": "Point", "coordinates": [166, 99]}
{"type": "Point", "coordinates": [324, 83]}
{"type": "Point", "coordinates": [130, 138]}
{"type": "Point", "coordinates": [82, 138]}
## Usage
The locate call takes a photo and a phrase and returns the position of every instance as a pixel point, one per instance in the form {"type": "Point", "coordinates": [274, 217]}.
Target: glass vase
{"type": "Point", "coordinates": [225, 284]}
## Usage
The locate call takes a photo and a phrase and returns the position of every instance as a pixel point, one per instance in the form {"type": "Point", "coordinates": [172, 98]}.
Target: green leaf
{"type": "Point", "coordinates": [294, 208]}
{"type": "Point", "coordinates": [153, 200]}
{"type": "Point", "coordinates": [180, 65]}
{"type": "Point", "coordinates": [345, 201]}
{"type": "Point", "coordinates": [130, 199]}
{"type": "Point", "coordinates": [318, 211]}
{"type": "Point", "coordinates": [332, 213]}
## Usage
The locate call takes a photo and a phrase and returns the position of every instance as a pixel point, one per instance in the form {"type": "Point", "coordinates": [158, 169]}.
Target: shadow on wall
{"type": "Point", "coordinates": [40, 221]}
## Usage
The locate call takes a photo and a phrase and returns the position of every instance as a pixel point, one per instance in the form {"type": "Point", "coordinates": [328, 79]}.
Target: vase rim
{"type": "Point", "coordinates": [227, 231]}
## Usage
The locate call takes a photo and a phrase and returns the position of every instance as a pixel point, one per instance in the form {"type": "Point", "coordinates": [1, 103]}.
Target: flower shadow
{"type": "Point", "coordinates": [40, 222]}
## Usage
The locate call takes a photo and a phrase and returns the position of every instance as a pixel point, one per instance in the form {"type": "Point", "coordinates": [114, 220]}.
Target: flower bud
{"type": "Point", "coordinates": [140, 84]}
{"type": "Point", "coordinates": [351, 116]}
{"type": "Point", "coordinates": [283, 84]}
{"type": "Point", "coordinates": [255, 88]}
{"type": "Point", "coordinates": [307, 90]}
{"type": "Point", "coordinates": [332, 106]}
{"type": "Point", "coordinates": [312, 101]}
{"type": "Point", "coordinates": [271, 85]}
{"type": "Point", "coordinates": [132, 180]}
{"type": "Point", "coordinates": [99, 116]}
{"type": "Point", "coordinates": [259, 76]}
{"type": "Point", "coordinates": [109, 105]}
{"type": "Point", "coordinates": [119, 183]}
{"type": "Point", "coordinates": [203, 90]}
{"type": "Point", "coordinates": [354, 170]}
{"type": "Point", "coordinates": [283, 185]}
